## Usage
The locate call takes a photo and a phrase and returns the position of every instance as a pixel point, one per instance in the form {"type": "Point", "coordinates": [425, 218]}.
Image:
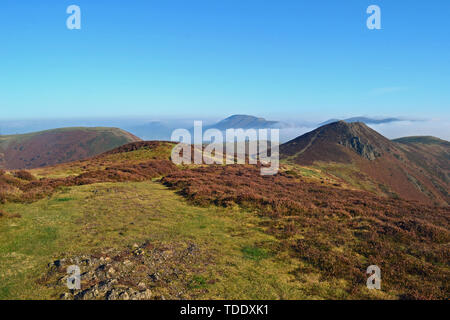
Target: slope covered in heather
{"type": "Point", "coordinates": [55, 146]}
{"type": "Point", "coordinates": [410, 170]}
{"type": "Point", "coordinates": [140, 227]}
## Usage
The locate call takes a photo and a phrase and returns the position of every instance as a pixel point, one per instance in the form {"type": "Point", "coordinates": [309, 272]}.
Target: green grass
{"type": "Point", "coordinates": [163, 151]}
{"type": "Point", "coordinates": [78, 221]}
{"type": "Point", "coordinates": [247, 261]}
{"type": "Point", "coordinates": [197, 282]}
{"type": "Point", "coordinates": [350, 175]}
{"type": "Point", "coordinates": [309, 173]}
{"type": "Point", "coordinates": [64, 199]}
{"type": "Point", "coordinates": [301, 171]}
{"type": "Point", "coordinates": [255, 253]}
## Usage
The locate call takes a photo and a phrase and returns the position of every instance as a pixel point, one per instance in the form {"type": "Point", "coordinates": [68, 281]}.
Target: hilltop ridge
{"type": "Point", "coordinates": [50, 147]}
{"type": "Point", "coordinates": [406, 167]}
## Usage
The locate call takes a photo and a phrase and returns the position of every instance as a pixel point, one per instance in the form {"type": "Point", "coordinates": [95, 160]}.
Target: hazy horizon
{"type": "Point", "coordinates": [392, 130]}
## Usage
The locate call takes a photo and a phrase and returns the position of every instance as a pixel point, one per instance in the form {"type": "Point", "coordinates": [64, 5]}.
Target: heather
{"type": "Point", "coordinates": [336, 232]}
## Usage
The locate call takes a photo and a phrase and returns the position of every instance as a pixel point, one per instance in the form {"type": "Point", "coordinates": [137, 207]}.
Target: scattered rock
{"type": "Point", "coordinates": [159, 272]}
{"type": "Point", "coordinates": [154, 276]}
{"type": "Point", "coordinates": [138, 252]}
{"type": "Point", "coordinates": [124, 296]}
{"type": "Point", "coordinates": [144, 295]}
{"type": "Point", "coordinates": [66, 296]}
{"type": "Point", "coordinates": [127, 262]}
{"type": "Point", "coordinates": [111, 271]}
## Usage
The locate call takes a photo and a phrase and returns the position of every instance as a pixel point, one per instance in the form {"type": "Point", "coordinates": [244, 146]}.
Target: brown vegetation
{"type": "Point", "coordinates": [336, 232]}
{"type": "Point", "coordinates": [24, 175]}
{"type": "Point", "coordinates": [20, 188]}
{"type": "Point", "coordinates": [4, 214]}
{"type": "Point", "coordinates": [411, 172]}
{"type": "Point", "coordinates": [56, 146]}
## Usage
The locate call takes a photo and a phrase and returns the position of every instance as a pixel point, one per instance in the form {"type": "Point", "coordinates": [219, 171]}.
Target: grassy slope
{"type": "Point", "coordinates": [336, 174]}
{"type": "Point", "coordinates": [422, 139]}
{"type": "Point", "coordinates": [162, 151]}
{"type": "Point", "coordinates": [249, 262]}
{"type": "Point", "coordinates": [74, 221]}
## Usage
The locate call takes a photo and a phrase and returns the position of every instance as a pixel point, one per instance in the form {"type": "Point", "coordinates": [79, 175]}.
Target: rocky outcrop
{"type": "Point", "coordinates": [142, 272]}
{"type": "Point", "coordinates": [365, 150]}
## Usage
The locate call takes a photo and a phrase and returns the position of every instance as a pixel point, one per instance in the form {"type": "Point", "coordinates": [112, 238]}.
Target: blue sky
{"type": "Point", "coordinates": [213, 58]}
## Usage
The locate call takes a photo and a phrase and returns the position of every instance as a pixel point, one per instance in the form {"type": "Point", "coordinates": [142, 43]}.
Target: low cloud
{"type": "Point", "coordinates": [393, 130]}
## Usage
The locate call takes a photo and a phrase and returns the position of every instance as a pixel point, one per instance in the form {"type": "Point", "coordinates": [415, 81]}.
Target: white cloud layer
{"type": "Point", "coordinates": [436, 128]}
{"type": "Point", "coordinates": [391, 130]}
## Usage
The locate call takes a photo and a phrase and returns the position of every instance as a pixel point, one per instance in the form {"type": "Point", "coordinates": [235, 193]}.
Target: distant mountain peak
{"type": "Point", "coordinates": [412, 167]}
{"type": "Point", "coordinates": [356, 136]}
{"type": "Point", "coordinates": [242, 121]}
{"type": "Point", "coordinates": [322, 144]}
{"type": "Point", "coordinates": [242, 117]}
{"type": "Point", "coordinates": [365, 120]}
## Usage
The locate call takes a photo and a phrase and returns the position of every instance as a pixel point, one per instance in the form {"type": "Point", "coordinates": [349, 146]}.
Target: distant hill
{"type": "Point", "coordinates": [153, 130]}
{"type": "Point", "coordinates": [362, 119]}
{"type": "Point", "coordinates": [432, 156]}
{"type": "Point", "coordinates": [246, 122]}
{"type": "Point", "coordinates": [55, 146]}
{"type": "Point", "coordinates": [406, 167]}
{"type": "Point", "coordinates": [428, 140]}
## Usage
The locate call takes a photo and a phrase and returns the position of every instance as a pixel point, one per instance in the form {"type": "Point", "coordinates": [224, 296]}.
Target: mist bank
{"type": "Point", "coordinates": [155, 129]}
